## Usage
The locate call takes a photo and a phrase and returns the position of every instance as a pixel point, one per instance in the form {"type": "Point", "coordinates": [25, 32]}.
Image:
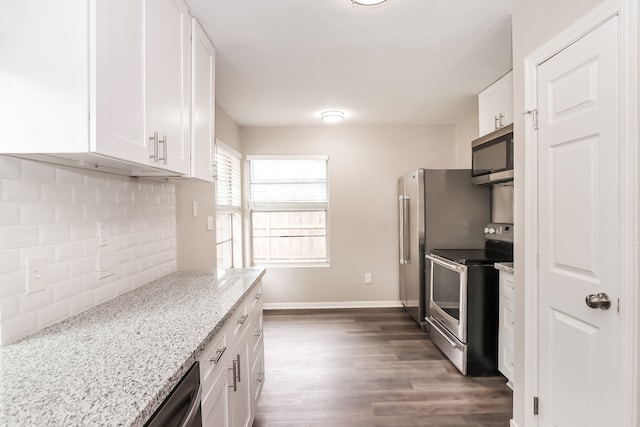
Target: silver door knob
{"type": "Point", "coordinates": [600, 301]}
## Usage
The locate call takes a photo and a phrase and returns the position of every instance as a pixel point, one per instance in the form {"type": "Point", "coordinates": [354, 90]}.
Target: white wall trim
{"type": "Point", "coordinates": [329, 305]}
{"type": "Point", "coordinates": [626, 10]}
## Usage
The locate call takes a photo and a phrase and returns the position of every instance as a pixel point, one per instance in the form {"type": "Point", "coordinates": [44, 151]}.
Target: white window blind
{"type": "Point", "coordinates": [289, 180]}
{"type": "Point", "coordinates": [229, 177]}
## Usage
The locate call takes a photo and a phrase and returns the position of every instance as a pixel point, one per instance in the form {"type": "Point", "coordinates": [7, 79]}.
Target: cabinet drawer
{"type": "Point", "coordinates": [257, 329]}
{"type": "Point", "coordinates": [214, 357]}
{"type": "Point", "coordinates": [507, 285]}
{"type": "Point", "coordinates": [240, 319]}
{"type": "Point", "coordinates": [505, 362]}
{"type": "Point", "coordinates": [257, 374]}
{"type": "Point", "coordinates": [255, 299]}
{"type": "Point", "coordinates": [506, 315]}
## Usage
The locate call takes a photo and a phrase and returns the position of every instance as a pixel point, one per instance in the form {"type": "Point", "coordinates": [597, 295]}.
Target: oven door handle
{"type": "Point", "coordinates": [443, 332]}
{"type": "Point", "coordinates": [459, 268]}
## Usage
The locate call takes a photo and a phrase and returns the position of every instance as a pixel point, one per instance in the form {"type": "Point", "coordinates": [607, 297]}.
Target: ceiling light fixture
{"type": "Point", "coordinates": [367, 2]}
{"type": "Point", "coordinates": [332, 116]}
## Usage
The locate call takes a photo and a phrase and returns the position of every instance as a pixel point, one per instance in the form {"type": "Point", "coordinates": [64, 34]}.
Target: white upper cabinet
{"type": "Point", "coordinates": [203, 63]}
{"type": "Point", "coordinates": [495, 105]}
{"type": "Point", "coordinates": [90, 83]}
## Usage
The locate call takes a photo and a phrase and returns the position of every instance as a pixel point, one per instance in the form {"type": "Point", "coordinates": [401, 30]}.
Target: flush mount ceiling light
{"type": "Point", "coordinates": [367, 2]}
{"type": "Point", "coordinates": [332, 116]}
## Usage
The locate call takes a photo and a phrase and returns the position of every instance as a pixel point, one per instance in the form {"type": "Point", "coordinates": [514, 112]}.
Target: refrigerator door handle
{"type": "Point", "coordinates": [405, 256]}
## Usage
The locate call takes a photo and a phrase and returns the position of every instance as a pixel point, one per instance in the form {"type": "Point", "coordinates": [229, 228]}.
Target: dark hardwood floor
{"type": "Point", "coordinates": [367, 367]}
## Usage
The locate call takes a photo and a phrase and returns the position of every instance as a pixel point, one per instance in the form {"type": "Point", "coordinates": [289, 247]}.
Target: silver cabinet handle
{"type": "Point", "coordinates": [163, 141]}
{"type": "Point", "coordinates": [259, 332]}
{"type": "Point", "coordinates": [153, 147]}
{"type": "Point", "coordinates": [243, 318]}
{"type": "Point", "coordinates": [218, 356]}
{"type": "Point", "coordinates": [234, 368]}
{"type": "Point", "coordinates": [501, 117]}
{"type": "Point", "coordinates": [258, 296]}
{"type": "Point", "coordinates": [239, 365]}
{"type": "Point", "coordinates": [600, 301]}
{"type": "Point", "coordinates": [495, 122]}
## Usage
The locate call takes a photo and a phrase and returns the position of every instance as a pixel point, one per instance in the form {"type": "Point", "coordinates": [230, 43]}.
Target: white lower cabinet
{"type": "Point", "coordinates": [505, 330]}
{"type": "Point", "coordinates": [232, 367]}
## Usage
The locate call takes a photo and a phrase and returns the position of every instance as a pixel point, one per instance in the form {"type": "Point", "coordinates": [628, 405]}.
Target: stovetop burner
{"type": "Point", "coordinates": [498, 247]}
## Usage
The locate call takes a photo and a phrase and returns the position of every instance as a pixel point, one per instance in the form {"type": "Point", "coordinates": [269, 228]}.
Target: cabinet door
{"type": "Point", "coordinates": [508, 99]}
{"type": "Point", "coordinates": [490, 106]}
{"type": "Point", "coordinates": [119, 82]}
{"type": "Point", "coordinates": [167, 58]}
{"type": "Point", "coordinates": [216, 403]}
{"type": "Point", "coordinates": [202, 104]}
{"type": "Point", "coordinates": [241, 408]}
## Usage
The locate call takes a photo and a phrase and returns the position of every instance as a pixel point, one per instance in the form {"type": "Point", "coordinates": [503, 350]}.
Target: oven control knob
{"type": "Point", "coordinates": [492, 230]}
{"type": "Point", "coordinates": [486, 230]}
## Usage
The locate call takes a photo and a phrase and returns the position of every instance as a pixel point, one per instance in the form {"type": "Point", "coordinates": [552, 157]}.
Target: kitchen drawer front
{"type": "Point", "coordinates": [258, 333]}
{"type": "Point", "coordinates": [258, 374]}
{"type": "Point", "coordinates": [507, 285]}
{"type": "Point", "coordinates": [255, 299]}
{"type": "Point", "coordinates": [505, 363]}
{"type": "Point", "coordinates": [240, 319]}
{"type": "Point", "coordinates": [507, 315]}
{"type": "Point", "coordinates": [215, 356]}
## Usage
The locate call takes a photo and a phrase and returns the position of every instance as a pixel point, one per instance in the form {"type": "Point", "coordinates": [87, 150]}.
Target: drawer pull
{"type": "Point", "coordinates": [259, 332]}
{"type": "Point", "coordinates": [219, 354]}
{"type": "Point", "coordinates": [258, 295]}
{"type": "Point", "coordinates": [243, 318]}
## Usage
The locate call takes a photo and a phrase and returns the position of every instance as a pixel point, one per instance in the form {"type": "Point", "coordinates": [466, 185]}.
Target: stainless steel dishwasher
{"type": "Point", "coordinates": [182, 407]}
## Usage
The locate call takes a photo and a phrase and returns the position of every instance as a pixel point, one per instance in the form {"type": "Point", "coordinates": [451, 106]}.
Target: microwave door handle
{"type": "Point", "coordinates": [448, 265]}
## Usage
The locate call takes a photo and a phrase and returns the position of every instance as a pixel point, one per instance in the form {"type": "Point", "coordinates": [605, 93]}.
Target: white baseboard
{"type": "Point", "coordinates": [326, 305]}
{"type": "Point", "coordinates": [512, 423]}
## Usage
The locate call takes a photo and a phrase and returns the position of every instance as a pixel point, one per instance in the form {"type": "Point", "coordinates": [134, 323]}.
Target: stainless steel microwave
{"type": "Point", "coordinates": [492, 157]}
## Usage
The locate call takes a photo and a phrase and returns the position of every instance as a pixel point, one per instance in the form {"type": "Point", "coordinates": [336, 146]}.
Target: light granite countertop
{"type": "Point", "coordinates": [506, 267]}
{"type": "Point", "coordinates": [115, 363]}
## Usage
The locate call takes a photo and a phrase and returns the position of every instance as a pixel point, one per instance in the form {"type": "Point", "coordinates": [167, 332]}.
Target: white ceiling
{"type": "Point", "coordinates": [281, 62]}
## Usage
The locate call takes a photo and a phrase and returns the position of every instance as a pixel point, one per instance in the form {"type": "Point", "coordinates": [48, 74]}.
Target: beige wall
{"type": "Point", "coordinates": [364, 164]}
{"type": "Point", "coordinates": [197, 245]}
{"type": "Point", "coordinates": [465, 132]}
{"type": "Point", "coordinates": [533, 25]}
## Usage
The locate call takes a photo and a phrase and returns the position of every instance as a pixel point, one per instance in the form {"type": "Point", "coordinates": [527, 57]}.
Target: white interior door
{"type": "Point", "coordinates": [579, 232]}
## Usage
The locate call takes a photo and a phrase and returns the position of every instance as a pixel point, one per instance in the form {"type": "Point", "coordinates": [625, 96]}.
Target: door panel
{"type": "Point", "coordinates": [578, 232]}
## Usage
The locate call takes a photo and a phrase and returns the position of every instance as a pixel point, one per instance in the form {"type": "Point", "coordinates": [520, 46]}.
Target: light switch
{"type": "Point", "coordinates": [194, 207]}
{"type": "Point", "coordinates": [36, 274]}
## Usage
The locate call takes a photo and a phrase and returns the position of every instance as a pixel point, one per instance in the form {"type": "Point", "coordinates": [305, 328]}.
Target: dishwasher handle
{"type": "Point", "coordinates": [193, 409]}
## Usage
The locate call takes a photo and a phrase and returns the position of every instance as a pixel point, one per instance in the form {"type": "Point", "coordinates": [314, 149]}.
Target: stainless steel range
{"type": "Point", "coordinates": [463, 302]}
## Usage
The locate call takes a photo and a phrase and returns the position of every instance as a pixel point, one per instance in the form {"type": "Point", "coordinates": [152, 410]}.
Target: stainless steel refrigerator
{"type": "Point", "coordinates": [438, 209]}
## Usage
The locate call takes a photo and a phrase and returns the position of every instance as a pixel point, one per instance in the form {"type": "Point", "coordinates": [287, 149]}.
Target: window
{"type": "Point", "coordinates": [289, 200]}
{"type": "Point", "coordinates": [228, 224]}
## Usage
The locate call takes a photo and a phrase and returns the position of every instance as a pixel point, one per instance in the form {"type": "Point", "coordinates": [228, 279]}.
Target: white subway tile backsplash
{"type": "Point", "coordinates": [83, 266]}
{"type": "Point", "coordinates": [69, 213]}
{"type": "Point", "coordinates": [18, 327]}
{"type": "Point", "coordinates": [53, 313]}
{"type": "Point", "coordinates": [56, 193]}
{"type": "Point", "coordinates": [21, 191]}
{"type": "Point", "coordinates": [10, 168]}
{"type": "Point", "coordinates": [53, 211]}
{"type": "Point", "coordinates": [68, 251]}
{"type": "Point", "coordinates": [81, 303]}
{"type": "Point", "coordinates": [58, 272]}
{"type": "Point", "coordinates": [54, 233]}
{"type": "Point", "coordinates": [33, 301]}
{"type": "Point", "coordinates": [105, 293]}
{"type": "Point", "coordinates": [9, 214]}
{"type": "Point", "coordinates": [18, 236]}
{"type": "Point", "coordinates": [38, 172]}
{"type": "Point", "coordinates": [84, 230]}
{"type": "Point", "coordinates": [9, 261]}
{"type": "Point", "coordinates": [67, 289]}
{"type": "Point", "coordinates": [38, 213]}
{"type": "Point", "coordinates": [13, 283]}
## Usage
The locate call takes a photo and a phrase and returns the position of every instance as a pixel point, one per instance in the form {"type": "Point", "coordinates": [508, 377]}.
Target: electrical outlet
{"type": "Point", "coordinates": [194, 208]}
{"type": "Point", "coordinates": [103, 234]}
{"type": "Point", "coordinates": [367, 278]}
{"type": "Point", "coordinates": [106, 264]}
{"type": "Point", "coordinates": [36, 277]}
